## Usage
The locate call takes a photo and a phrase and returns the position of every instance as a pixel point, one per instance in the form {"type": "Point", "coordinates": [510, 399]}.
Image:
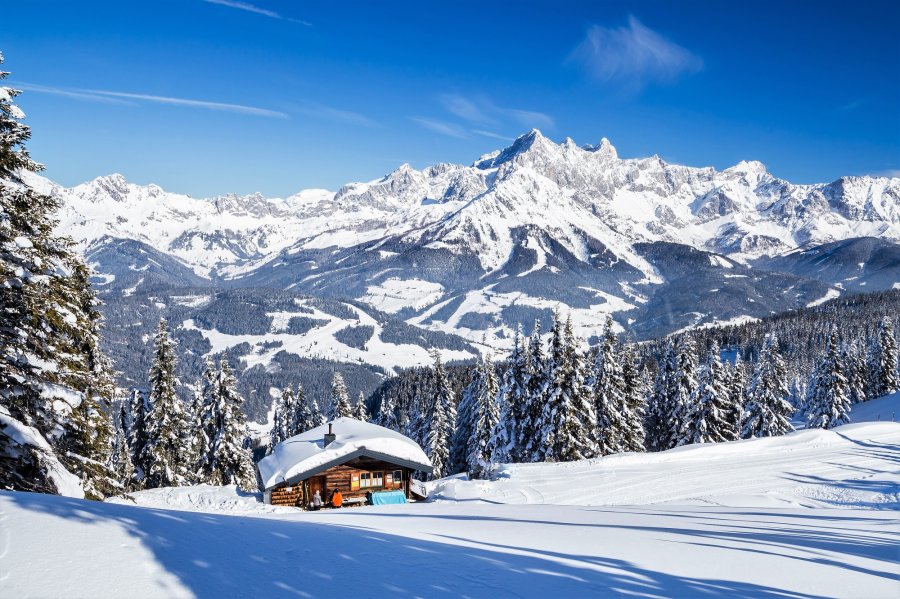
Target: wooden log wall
{"type": "Point", "coordinates": [287, 496]}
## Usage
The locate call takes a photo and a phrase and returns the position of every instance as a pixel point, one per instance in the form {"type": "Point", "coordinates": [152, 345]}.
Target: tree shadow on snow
{"type": "Point", "coordinates": [233, 556]}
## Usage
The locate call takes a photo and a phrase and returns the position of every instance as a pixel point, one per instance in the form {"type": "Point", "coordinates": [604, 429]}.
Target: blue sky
{"type": "Point", "coordinates": [207, 97]}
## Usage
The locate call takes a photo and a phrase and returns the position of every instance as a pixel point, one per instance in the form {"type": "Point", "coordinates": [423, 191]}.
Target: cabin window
{"type": "Point", "coordinates": [365, 479]}
{"type": "Point", "coordinates": [378, 479]}
{"type": "Point", "coordinates": [398, 477]}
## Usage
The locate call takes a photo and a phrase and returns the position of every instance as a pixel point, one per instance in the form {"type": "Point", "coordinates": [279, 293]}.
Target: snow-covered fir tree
{"type": "Point", "coordinates": [736, 396]}
{"type": "Point", "coordinates": [361, 413]}
{"type": "Point", "coordinates": [303, 415]}
{"type": "Point", "coordinates": [120, 459]}
{"type": "Point", "coordinates": [514, 402]}
{"type": "Point", "coordinates": [442, 421]}
{"type": "Point", "coordinates": [199, 430]}
{"type": "Point", "coordinates": [856, 370]}
{"type": "Point", "coordinates": [684, 388]}
{"type": "Point", "coordinates": [137, 432]}
{"type": "Point", "coordinates": [709, 419]}
{"type": "Point", "coordinates": [567, 421]}
{"type": "Point", "coordinates": [883, 375]}
{"type": "Point", "coordinates": [768, 412]}
{"type": "Point", "coordinates": [281, 419]}
{"type": "Point", "coordinates": [828, 401]}
{"type": "Point", "coordinates": [340, 398]}
{"type": "Point", "coordinates": [661, 420]}
{"type": "Point", "coordinates": [55, 383]}
{"type": "Point", "coordinates": [230, 459]}
{"type": "Point", "coordinates": [466, 416]}
{"type": "Point", "coordinates": [203, 424]}
{"type": "Point", "coordinates": [387, 414]}
{"type": "Point", "coordinates": [165, 455]}
{"type": "Point", "coordinates": [633, 434]}
{"type": "Point", "coordinates": [607, 382]}
{"type": "Point", "coordinates": [482, 442]}
{"type": "Point", "coordinates": [532, 444]}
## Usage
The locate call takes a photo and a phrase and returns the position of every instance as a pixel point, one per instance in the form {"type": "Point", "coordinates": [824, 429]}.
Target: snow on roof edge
{"type": "Point", "coordinates": [303, 455]}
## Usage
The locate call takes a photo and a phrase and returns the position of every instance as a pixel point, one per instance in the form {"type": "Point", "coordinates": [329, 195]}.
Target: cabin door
{"type": "Point", "coordinates": [317, 483]}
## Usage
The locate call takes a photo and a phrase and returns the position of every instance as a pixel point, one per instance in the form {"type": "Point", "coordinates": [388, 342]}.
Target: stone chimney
{"type": "Point", "coordinates": [329, 436]}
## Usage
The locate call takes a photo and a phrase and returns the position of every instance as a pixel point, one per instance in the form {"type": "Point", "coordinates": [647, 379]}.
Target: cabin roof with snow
{"type": "Point", "coordinates": [304, 455]}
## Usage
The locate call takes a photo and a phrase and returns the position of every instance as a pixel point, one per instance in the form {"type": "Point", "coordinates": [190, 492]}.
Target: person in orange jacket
{"type": "Point", "coordinates": [337, 498]}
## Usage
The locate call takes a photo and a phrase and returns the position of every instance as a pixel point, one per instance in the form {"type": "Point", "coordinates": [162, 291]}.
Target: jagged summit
{"type": "Point", "coordinates": [571, 198]}
{"type": "Point", "coordinates": [475, 250]}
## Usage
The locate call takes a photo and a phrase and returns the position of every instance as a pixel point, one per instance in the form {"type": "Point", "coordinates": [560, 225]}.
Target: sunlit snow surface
{"type": "Point", "coordinates": [735, 520]}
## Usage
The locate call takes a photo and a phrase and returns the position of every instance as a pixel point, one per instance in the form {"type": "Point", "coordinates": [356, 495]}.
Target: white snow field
{"type": "Point", "coordinates": [759, 518]}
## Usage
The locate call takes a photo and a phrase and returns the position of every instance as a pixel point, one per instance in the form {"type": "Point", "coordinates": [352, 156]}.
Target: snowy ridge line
{"type": "Point", "coordinates": [566, 190]}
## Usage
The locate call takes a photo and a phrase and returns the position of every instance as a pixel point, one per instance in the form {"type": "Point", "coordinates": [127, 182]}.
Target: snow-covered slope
{"type": "Point", "coordinates": [883, 409]}
{"type": "Point", "coordinates": [55, 546]}
{"type": "Point", "coordinates": [850, 466]}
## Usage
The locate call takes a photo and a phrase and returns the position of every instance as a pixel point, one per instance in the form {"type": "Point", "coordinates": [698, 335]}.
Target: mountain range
{"type": "Point", "coordinates": [474, 251]}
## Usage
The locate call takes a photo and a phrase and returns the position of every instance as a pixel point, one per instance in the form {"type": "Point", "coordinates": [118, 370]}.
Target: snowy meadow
{"type": "Point", "coordinates": [810, 514]}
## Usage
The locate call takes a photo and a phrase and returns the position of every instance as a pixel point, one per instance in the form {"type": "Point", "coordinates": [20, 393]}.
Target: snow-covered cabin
{"type": "Point", "coordinates": [352, 456]}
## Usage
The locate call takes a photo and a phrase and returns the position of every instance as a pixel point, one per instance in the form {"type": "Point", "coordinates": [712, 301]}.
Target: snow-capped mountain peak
{"type": "Point", "coordinates": [556, 215]}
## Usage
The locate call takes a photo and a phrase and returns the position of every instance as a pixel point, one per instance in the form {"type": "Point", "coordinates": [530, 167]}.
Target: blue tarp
{"type": "Point", "coordinates": [386, 497]}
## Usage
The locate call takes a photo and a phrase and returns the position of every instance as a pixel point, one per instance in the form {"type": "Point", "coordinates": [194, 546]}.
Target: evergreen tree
{"type": "Point", "coordinates": [633, 434]}
{"type": "Point", "coordinates": [466, 416]}
{"type": "Point", "coordinates": [568, 420]}
{"type": "Point", "coordinates": [768, 412]}
{"type": "Point", "coordinates": [442, 421]}
{"type": "Point", "coordinates": [828, 402]}
{"type": "Point", "coordinates": [340, 398]}
{"type": "Point", "coordinates": [709, 421]}
{"type": "Point", "coordinates": [387, 414]}
{"type": "Point", "coordinates": [510, 433]}
{"type": "Point", "coordinates": [661, 421]}
{"type": "Point", "coordinates": [137, 433]}
{"type": "Point", "coordinates": [608, 384]}
{"type": "Point", "coordinates": [231, 461]}
{"type": "Point", "coordinates": [883, 362]}
{"type": "Point", "coordinates": [734, 410]}
{"type": "Point", "coordinates": [530, 440]}
{"type": "Point", "coordinates": [482, 444]}
{"type": "Point", "coordinates": [281, 421]}
{"type": "Point", "coordinates": [203, 423]}
{"type": "Point", "coordinates": [302, 414]}
{"type": "Point", "coordinates": [55, 383]}
{"type": "Point", "coordinates": [164, 453]}
{"type": "Point", "coordinates": [856, 370]}
{"type": "Point", "coordinates": [684, 389]}
{"type": "Point", "coordinates": [120, 459]}
{"type": "Point", "coordinates": [361, 413]}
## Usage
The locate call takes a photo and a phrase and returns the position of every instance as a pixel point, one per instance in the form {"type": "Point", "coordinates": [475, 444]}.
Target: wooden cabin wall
{"type": "Point", "coordinates": [339, 477]}
{"type": "Point", "coordinates": [288, 496]}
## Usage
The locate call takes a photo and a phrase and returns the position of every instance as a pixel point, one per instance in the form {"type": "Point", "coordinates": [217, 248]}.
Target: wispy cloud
{"type": "Point", "coordinates": [69, 93]}
{"type": "Point", "coordinates": [491, 134]}
{"type": "Point", "coordinates": [442, 127]}
{"type": "Point", "coordinates": [891, 173]}
{"type": "Point", "coordinates": [246, 6]}
{"type": "Point", "coordinates": [634, 55]}
{"type": "Point", "coordinates": [106, 96]}
{"type": "Point", "coordinates": [482, 112]}
{"type": "Point", "coordinates": [850, 106]}
{"type": "Point", "coordinates": [468, 109]}
{"type": "Point", "coordinates": [335, 114]}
